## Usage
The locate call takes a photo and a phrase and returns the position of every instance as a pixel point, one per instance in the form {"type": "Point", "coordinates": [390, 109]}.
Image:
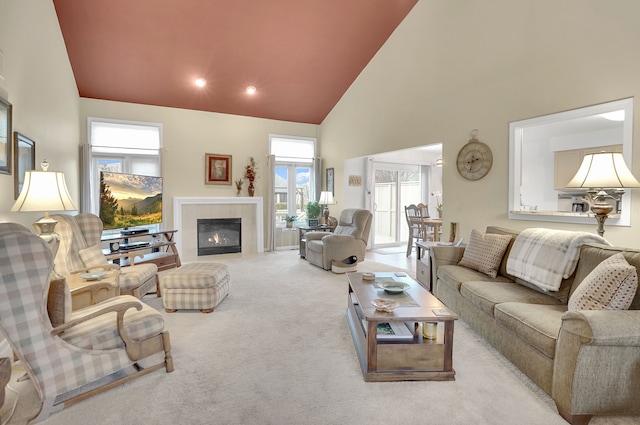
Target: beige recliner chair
{"type": "Point", "coordinates": [349, 238]}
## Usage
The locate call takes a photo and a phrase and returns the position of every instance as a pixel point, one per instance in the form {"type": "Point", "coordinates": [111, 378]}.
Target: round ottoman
{"type": "Point", "coordinates": [194, 286]}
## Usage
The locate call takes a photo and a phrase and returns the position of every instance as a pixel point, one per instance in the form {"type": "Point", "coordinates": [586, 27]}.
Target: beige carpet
{"type": "Point", "coordinates": [391, 250]}
{"type": "Point", "coordinates": [278, 351]}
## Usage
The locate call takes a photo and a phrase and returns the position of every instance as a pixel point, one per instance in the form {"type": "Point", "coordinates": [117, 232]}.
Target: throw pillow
{"type": "Point", "coordinates": [93, 256]}
{"type": "Point", "coordinates": [59, 301]}
{"type": "Point", "coordinates": [484, 252]}
{"type": "Point", "coordinates": [610, 286]}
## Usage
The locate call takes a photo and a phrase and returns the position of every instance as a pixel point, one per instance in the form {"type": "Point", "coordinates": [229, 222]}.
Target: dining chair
{"type": "Point", "coordinates": [417, 229]}
{"type": "Point", "coordinates": [424, 210]}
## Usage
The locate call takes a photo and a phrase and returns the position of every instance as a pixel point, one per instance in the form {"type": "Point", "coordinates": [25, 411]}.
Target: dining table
{"type": "Point", "coordinates": [435, 223]}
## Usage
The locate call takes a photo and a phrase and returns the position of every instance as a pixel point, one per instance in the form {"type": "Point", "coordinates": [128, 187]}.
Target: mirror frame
{"type": "Point", "coordinates": [516, 139]}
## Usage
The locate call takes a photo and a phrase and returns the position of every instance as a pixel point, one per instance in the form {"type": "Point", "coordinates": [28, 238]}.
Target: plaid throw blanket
{"type": "Point", "coordinates": [544, 257]}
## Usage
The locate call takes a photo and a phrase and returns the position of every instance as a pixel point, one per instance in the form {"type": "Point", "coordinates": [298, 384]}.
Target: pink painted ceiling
{"type": "Point", "coordinates": [301, 55]}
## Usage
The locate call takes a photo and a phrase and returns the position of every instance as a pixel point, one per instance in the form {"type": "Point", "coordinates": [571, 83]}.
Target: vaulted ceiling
{"type": "Point", "coordinates": [300, 55]}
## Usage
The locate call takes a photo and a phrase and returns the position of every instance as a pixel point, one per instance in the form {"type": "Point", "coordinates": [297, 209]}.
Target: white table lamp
{"type": "Point", "coordinates": [598, 172]}
{"type": "Point", "coordinates": [326, 199]}
{"type": "Point", "coordinates": [44, 191]}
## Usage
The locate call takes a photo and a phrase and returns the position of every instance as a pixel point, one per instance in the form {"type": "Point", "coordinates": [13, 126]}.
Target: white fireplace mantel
{"type": "Point", "coordinates": [180, 203]}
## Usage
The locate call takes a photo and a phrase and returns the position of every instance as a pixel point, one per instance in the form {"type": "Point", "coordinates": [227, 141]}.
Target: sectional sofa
{"type": "Point", "coordinates": [588, 361]}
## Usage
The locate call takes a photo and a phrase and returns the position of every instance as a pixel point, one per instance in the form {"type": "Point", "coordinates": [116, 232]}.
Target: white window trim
{"type": "Point", "coordinates": [89, 190]}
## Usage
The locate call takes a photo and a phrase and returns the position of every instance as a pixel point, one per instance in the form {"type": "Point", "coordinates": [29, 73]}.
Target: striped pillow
{"type": "Point", "coordinates": [610, 286]}
{"type": "Point", "coordinates": [484, 252]}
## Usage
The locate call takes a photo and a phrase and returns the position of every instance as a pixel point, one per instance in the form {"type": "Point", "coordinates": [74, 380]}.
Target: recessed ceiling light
{"type": "Point", "coordinates": [200, 82]}
{"type": "Point", "coordinates": [251, 90]}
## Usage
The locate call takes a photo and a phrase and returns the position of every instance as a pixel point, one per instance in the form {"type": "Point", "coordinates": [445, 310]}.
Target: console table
{"type": "Point", "coordinates": [157, 247]}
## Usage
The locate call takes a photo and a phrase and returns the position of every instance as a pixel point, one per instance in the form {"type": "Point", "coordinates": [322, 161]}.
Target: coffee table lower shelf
{"type": "Point", "coordinates": [413, 360]}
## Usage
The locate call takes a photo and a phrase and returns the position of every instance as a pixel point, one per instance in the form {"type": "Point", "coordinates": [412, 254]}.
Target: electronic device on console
{"type": "Point", "coordinates": [130, 232]}
{"type": "Point", "coordinates": [133, 245]}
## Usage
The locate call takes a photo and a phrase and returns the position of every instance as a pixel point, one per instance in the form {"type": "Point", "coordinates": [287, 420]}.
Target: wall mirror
{"type": "Point", "coordinates": [545, 152]}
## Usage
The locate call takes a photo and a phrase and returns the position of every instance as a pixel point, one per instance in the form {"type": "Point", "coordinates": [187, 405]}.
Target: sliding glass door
{"type": "Point", "coordinates": [395, 185]}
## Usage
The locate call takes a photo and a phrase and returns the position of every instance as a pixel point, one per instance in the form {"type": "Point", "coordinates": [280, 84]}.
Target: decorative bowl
{"type": "Point", "coordinates": [385, 305]}
{"type": "Point", "coordinates": [93, 275]}
{"type": "Point", "coordinates": [394, 287]}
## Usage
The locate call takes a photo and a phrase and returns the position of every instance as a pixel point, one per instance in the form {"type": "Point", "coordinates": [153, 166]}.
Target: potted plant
{"type": "Point", "coordinates": [290, 219]}
{"type": "Point", "coordinates": [438, 203]}
{"type": "Point", "coordinates": [313, 212]}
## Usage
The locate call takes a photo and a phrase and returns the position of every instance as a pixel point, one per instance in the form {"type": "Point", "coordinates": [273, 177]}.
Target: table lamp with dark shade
{"type": "Point", "coordinates": [598, 173]}
{"type": "Point", "coordinates": [44, 191]}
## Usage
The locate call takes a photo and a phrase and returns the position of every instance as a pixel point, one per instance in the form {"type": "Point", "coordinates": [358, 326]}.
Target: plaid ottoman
{"type": "Point", "coordinates": [199, 286]}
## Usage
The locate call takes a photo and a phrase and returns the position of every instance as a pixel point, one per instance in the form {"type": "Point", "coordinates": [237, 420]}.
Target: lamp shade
{"type": "Point", "coordinates": [326, 198]}
{"type": "Point", "coordinates": [44, 191]}
{"type": "Point", "coordinates": [603, 170]}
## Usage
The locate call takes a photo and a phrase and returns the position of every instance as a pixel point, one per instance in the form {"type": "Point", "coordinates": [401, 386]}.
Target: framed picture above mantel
{"type": "Point", "coordinates": [217, 169]}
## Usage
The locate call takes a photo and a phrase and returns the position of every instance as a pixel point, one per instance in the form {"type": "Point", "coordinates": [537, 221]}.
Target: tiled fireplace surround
{"type": "Point", "coordinates": [187, 211]}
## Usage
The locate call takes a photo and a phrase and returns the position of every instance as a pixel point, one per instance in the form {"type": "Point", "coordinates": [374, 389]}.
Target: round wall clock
{"type": "Point", "coordinates": [474, 160]}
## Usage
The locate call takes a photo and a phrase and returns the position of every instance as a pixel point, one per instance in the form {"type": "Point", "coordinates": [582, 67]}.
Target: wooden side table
{"type": "Point", "coordinates": [423, 264]}
{"type": "Point", "coordinates": [303, 242]}
{"type": "Point", "coordinates": [5, 375]}
{"type": "Point", "coordinates": [88, 292]}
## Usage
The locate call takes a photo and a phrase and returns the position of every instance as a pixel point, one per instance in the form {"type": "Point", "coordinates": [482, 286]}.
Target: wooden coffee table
{"type": "Point", "coordinates": [413, 358]}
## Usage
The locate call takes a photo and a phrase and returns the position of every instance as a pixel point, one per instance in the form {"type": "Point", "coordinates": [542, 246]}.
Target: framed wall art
{"type": "Point", "coordinates": [329, 178]}
{"type": "Point", "coordinates": [5, 137]}
{"type": "Point", "coordinates": [355, 180]}
{"type": "Point", "coordinates": [24, 159]}
{"type": "Point", "coordinates": [217, 169]}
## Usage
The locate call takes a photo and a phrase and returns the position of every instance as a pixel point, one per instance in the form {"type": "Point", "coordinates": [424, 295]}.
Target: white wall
{"type": "Point", "coordinates": [187, 135]}
{"type": "Point", "coordinates": [452, 66]}
{"type": "Point", "coordinates": [354, 196]}
{"type": "Point", "coordinates": [38, 82]}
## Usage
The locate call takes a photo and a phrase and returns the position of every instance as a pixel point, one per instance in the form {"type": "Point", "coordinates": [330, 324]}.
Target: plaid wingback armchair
{"type": "Point", "coordinates": [349, 238]}
{"type": "Point", "coordinates": [65, 362]}
{"type": "Point", "coordinates": [80, 250]}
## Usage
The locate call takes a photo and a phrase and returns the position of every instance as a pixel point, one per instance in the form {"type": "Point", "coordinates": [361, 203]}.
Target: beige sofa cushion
{"type": "Point", "coordinates": [537, 324]}
{"type": "Point", "coordinates": [610, 286]}
{"type": "Point", "coordinates": [486, 295]}
{"type": "Point", "coordinates": [484, 252]}
{"type": "Point", "coordinates": [453, 275]}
